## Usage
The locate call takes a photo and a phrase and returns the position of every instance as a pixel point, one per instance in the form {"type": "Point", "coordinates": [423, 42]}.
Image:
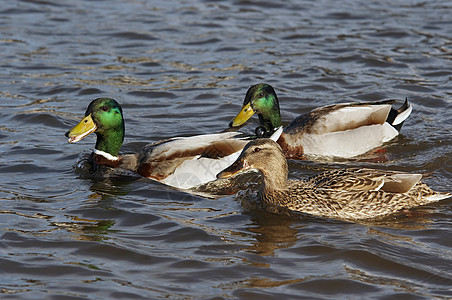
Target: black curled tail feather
{"type": "Point", "coordinates": [397, 117]}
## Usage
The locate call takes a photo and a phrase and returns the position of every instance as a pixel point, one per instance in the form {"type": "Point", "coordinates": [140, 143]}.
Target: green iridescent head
{"type": "Point", "coordinates": [103, 117]}
{"type": "Point", "coordinates": [262, 100]}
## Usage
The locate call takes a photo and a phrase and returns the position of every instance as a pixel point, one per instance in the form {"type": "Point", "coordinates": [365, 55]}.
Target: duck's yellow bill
{"type": "Point", "coordinates": [243, 115]}
{"type": "Point", "coordinates": [81, 130]}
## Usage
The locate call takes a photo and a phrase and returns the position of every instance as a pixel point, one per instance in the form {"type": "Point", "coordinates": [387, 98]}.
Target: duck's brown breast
{"type": "Point", "coordinates": [289, 149]}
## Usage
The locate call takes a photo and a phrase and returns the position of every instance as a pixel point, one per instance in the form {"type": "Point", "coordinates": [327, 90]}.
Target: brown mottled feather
{"type": "Point", "coordinates": [344, 204]}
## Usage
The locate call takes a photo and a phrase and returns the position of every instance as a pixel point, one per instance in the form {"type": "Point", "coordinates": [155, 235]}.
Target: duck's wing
{"type": "Point", "coordinates": [355, 179]}
{"type": "Point", "coordinates": [358, 194]}
{"type": "Point", "coordinates": [346, 130]}
{"type": "Point", "coordinates": [185, 162]}
{"type": "Point", "coordinates": [341, 117]}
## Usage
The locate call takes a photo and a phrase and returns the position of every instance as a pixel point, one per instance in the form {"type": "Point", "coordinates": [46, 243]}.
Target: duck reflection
{"type": "Point", "coordinates": [272, 232]}
{"type": "Point", "coordinates": [84, 229]}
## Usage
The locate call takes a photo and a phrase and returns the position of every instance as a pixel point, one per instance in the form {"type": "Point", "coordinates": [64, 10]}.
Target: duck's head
{"type": "Point", "coordinates": [103, 117]}
{"type": "Point", "coordinates": [262, 100]}
{"type": "Point", "coordinates": [264, 155]}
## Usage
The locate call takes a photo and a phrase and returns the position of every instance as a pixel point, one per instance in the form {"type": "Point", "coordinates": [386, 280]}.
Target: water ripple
{"type": "Point", "coordinates": [184, 69]}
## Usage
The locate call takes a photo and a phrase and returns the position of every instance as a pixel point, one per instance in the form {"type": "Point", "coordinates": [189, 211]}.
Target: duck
{"type": "Point", "coordinates": [353, 194]}
{"type": "Point", "coordinates": [339, 130]}
{"type": "Point", "coordinates": [180, 162]}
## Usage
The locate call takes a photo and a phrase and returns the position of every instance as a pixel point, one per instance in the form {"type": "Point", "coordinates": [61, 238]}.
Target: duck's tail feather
{"type": "Point", "coordinates": [396, 117]}
{"type": "Point", "coordinates": [438, 196]}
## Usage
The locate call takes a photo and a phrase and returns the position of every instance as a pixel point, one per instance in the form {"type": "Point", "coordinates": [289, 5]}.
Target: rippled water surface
{"type": "Point", "coordinates": [183, 68]}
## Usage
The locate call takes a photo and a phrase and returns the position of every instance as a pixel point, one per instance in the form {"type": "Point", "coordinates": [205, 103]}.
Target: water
{"type": "Point", "coordinates": [183, 68]}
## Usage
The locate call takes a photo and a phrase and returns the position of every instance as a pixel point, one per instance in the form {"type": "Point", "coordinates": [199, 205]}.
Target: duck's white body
{"type": "Point", "coordinates": [345, 131]}
{"type": "Point", "coordinates": [183, 162]}
{"type": "Point", "coordinates": [200, 169]}
{"type": "Point", "coordinates": [348, 143]}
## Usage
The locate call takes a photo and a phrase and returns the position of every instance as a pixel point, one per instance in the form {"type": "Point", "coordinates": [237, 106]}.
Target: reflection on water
{"type": "Point", "coordinates": [271, 233]}
{"type": "Point", "coordinates": [85, 229]}
{"type": "Point", "coordinates": [182, 69]}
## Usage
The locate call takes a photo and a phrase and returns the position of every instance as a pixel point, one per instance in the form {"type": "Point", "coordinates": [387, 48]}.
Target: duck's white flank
{"type": "Point", "coordinates": [348, 143]}
{"type": "Point", "coordinates": [200, 170]}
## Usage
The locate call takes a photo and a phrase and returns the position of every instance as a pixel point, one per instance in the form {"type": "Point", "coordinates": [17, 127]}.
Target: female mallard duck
{"type": "Point", "coordinates": [183, 162]}
{"type": "Point", "coordinates": [351, 194]}
{"type": "Point", "coordinates": [341, 130]}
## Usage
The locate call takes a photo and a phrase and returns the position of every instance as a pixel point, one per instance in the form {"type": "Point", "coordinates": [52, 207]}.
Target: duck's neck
{"type": "Point", "coordinates": [110, 142]}
{"type": "Point", "coordinates": [270, 116]}
{"type": "Point", "coordinates": [275, 180]}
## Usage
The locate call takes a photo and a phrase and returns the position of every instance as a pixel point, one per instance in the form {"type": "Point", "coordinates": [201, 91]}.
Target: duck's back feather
{"type": "Point", "coordinates": [342, 130]}
{"type": "Point", "coordinates": [184, 162]}
{"type": "Point", "coordinates": [208, 145]}
{"type": "Point", "coordinates": [341, 117]}
{"type": "Point", "coordinates": [356, 179]}
{"type": "Point", "coordinates": [348, 203]}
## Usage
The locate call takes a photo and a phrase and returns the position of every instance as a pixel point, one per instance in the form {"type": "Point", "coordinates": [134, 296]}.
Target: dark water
{"type": "Point", "coordinates": [182, 68]}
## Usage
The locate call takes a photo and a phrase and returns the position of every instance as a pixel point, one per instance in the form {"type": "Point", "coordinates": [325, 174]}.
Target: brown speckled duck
{"type": "Point", "coordinates": [339, 130]}
{"type": "Point", "coordinates": [348, 194]}
{"type": "Point", "coordinates": [182, 162]}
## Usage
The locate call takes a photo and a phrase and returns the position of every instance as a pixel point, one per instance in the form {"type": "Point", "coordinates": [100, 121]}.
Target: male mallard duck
{"type": "Point", "coordinates": [352, 194]}
{"type": "Point", "coordinates": [183, 162]}
{"type": "Point", "coordinates": [341, 130]}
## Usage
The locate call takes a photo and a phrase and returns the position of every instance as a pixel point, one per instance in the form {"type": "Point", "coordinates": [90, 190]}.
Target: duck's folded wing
{"type": "Point", "coordinates": [365, 180]}
{"type": "Point", "coordinates": [185, 162]}
{"type": "Point", "coordinates": [400, 182]}
{"type": "Point", "coordinates": [341, 117]}
{"type": "Point", "coordinates": [207, 145]}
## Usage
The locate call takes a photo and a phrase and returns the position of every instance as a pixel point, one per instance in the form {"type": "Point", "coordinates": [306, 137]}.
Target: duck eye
{"type": "Point", "coordinates": [256, 150]}
{"type": "Point", "coordinates": [261, 95]}
{"type": "Point", "coordinates": [104, 108]}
